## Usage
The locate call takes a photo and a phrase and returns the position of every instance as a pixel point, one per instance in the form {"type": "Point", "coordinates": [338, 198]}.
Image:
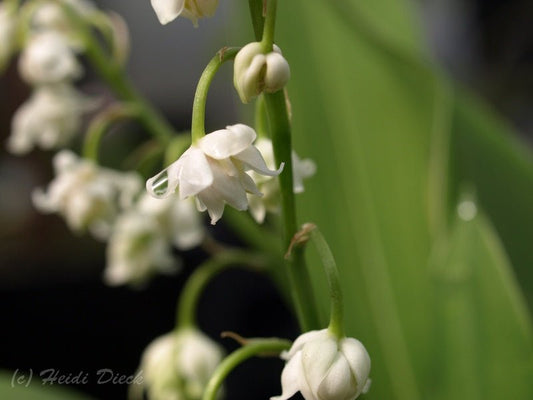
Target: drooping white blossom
{"type": "Point", "coordinates": [321, 367]}
{"type": "Point", "coordinates": [169, 10]}
{"type": "Point", "coordinates": [178, 365]}
{"type": "Point", "coordinates": [255, 72]}
{"type": "Point", "coordinates": [7, 34]}
{"type": "Point", "coordinates": [49, 119]}
{"type": "Point", "coordinates": [269, 186]}
{"type": "Point", "coordinates": [86, 195]}
{"type": "Point", "coordinates": [138, 248]}
{"type": "Point", "coordinates": [49, 58]}
{"type": "Point", "coordinates": [214, 170]}
{"type": "Point", "coordinates": [178, 218]}
{"type": "Point", "coordinates": [51, 16]}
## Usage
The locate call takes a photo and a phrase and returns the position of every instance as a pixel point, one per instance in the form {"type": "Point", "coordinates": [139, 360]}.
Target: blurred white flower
{"type": "Point", "coordinates": [51, 15]}
{"type": "Point", "coordinates": [169, 10]}
{"type": "Point", "coordinates": [321, 367]}
{"type": "Point", "coordinates": [86, 195]}
{"type": "Point", "coordinates": [7, 34]}
{"type": "Point", "coordinates": [49, 58]}
{"type": "Point", "coordinates": [269, 186]}
{"type": "Point", "coordinates": [49, 119]}
{"type": "Point", "coordinates": [255, 71]}
{"type": "Point", "coordinates": [213, 170]}
{"type": "Point", "coordinates": [178, 218]}
{"type": "Point", "coordinates": [178, 365]}
{"type": "Point", "coordinates": [138, 248]}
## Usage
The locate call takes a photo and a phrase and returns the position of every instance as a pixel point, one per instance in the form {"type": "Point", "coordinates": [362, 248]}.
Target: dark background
{"type": "Point", "coordinates": [57, 313]}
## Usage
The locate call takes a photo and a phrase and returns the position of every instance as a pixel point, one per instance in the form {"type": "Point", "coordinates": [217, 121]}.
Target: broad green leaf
{"type": "Point", "coordinates": [483, 330]}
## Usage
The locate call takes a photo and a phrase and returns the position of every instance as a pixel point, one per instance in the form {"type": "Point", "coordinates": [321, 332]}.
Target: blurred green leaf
{"type": "Point", "coordinates": [483, 331]}
{"type": "Point", "coordinates": [384, 129]}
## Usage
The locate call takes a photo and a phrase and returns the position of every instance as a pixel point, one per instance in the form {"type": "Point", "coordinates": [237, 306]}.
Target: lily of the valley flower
{"type": "Point", "coordinates": [321, 367]}
{"type": "Point", "coordinates": [7, 33]}
{"type": "Point", "coordinates": [89, 197]}
{"type": "Point", "coordinates": [213, 170]}
{"type": "Point", "coordinates": [169, 10]}
{"type": "Point", "coordinates": [269, 186]}
{"type": "Point", "coordinates": [255, 71]}
{"type": "Point", "coordinates": [49, 119]}
{"type": "Point", "coordinates": [137, 249]}
{"type": "Point", "coordinates": [49, 58]}
{"type": "Point", "coordinates": [178, 365]}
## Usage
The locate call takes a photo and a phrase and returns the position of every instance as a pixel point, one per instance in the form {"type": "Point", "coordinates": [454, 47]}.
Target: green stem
{"type": "Point", "coordinates": [101, 124]}
{"type": "Point", "coordinates": [256, 12]}
{"type": "Point", "coordinates": [336, 322]}
{"type": "Point", "coordinates": [253, 348]}
{"type": "Point", "coordinates": [114, 75]}
{"type": "Point", "coordinates": [200, 97]}
{"type": "Point", "coordinates": [299, 278]}
{"type": "Point", "coordinates": [267, 41]}
{"type": "Point", "coordinates": [193, 289]}
{"type": "Point", "coordinates": [261, 118]}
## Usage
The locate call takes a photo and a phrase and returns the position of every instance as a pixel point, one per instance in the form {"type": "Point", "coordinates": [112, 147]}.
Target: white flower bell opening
{"type": "Point", "coordinates": [178, 365]}
{"type": "Point", "coordinates": [255, 71]}
{"type": "Point", "coordinates": [269, 186]}
{"type": "Point", "coordinates": [49, 119]}
{"type": "Point", "coordinates": [89, 197]}
{"type": "Point", "coordinates": [321, 367]}
{"type": "Point", "coordinates": [169, 10]}
{"type": "Point", "coordinates": [49, 58]}
{"type": "Point", "coordinates": [214, 170]}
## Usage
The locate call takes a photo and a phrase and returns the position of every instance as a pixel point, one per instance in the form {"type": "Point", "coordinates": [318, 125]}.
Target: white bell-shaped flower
{"type": "Point", "coordinates": [179, 219]}
{"type": "Point", "coordinates": [213, 170]}
{"type": "Point", "coordinates": [138, 248]}
{"type": "Point", "coordinates": [321, 367]}
{"type": "Point", "coordinates": [51, 16]}
{"type": "Point", "coordinates": [255, 72]}
{"type": "Point", "coordinates": [7, 34]}
{"type": "Point", "coordinates": [169, 10]}
{"type": "Point", "coordinates": [178, 365]}
{"type": "Point", "coordinates": [49, 119]}
{"type": "Point", "coordinates": [49, 58]}
{"type": "Point", "coordinates": [269, 186]}
{"type": "Point", "coordinates": [87, 196]}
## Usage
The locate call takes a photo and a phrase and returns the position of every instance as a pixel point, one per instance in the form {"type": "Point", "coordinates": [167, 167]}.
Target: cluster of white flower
{"type": "Point", "coordinates": [53, 114]}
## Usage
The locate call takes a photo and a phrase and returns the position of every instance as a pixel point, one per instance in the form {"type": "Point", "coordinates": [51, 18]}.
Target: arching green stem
{"type": "Point", "coordinates": [200, 97]}
{"type": "Point", "coordinates": [336, 321]}
{"type": "Point", "coordinates": [193, 289]}
{"type": "Point", "coordinates": [101, 124]}
{"type": "Point", "coordinates": [114, 75]}
{"type": "Point", "coordinates": [253, 347]}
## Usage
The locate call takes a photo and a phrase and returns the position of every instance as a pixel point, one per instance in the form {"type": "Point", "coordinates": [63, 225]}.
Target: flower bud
{"type": "Point", "coordinates": [169, 10]}
{"type": "Point", "coordinates": [255, 71]}
{"type": "Point", "coordinates": [321, 367]}
{"type": "Point", "coordinates": [179, 365]}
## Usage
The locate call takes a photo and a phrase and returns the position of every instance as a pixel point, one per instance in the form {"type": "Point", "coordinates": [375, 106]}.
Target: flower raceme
{"type": "Point", "coordinates": [322, 367]}
{"type": "Point", "coordinates": [169, 10]}
{"type": "Point", "coordinates": [214, 170]}
{"type": "Point", "coordinates": [255, 71]}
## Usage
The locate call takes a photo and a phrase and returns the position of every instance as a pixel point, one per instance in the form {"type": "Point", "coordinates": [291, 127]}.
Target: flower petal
{"type": "Point", "coordinates": [213, 203]}
{"type": "Point", "coordinates": [317, 357]}
{"type": "Point", "coordinates": [338, 383]}
{"type": "Point", "coordinates": [358, 360]}
{"type": "Point", "coordinates": [291, 378]}
{"type": "Point", "coordinates": [228, 187]}
{"type": "Point", "coordinates": [302, 340]}
{"type": "Point", "coordinates": [227, 142]}
{"type": "Point", "coordinates": [167, 10]}
{"type": "Point", "coordinates": [195, 174]}
{"type": "Point", "coordinates": [253, 159]}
